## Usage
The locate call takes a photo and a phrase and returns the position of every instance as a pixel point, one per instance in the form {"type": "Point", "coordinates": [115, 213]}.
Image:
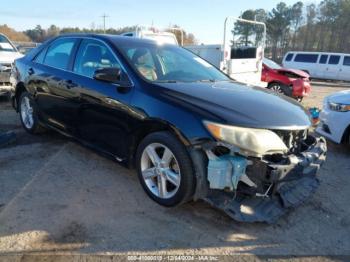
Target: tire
{"type": "Point", "coordinates": [276, 87]}
{"type": "Point", "coordinates": [29, 114]}
{"type": "Point", "coordinates": [178, 168]}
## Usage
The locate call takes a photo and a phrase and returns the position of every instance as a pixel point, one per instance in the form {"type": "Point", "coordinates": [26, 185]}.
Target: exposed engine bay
{"type": "Point", "coordinates": [259, 188]}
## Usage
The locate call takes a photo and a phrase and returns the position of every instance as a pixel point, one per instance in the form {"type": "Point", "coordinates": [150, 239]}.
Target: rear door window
{"type": "Point", "coordinates": [334, 60]}
{"type": "Point", "coordinates": [58, 54]}
{"type": "Point", "coordinates": [289, 57]}
{"type": "Point", "coordinates": [346, 61]}
{"type": "Point", "coordinates": [306, 58]}
{"type": "Point", "coordinates": [323, 59]}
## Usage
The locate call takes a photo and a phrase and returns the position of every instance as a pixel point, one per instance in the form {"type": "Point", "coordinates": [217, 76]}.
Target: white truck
{"type": "Point", "coordinates": [151, 32]}
{"type": "Point", "coordinates": [8, 54]}
{"type": "Point", "coordinates": [238, 57]}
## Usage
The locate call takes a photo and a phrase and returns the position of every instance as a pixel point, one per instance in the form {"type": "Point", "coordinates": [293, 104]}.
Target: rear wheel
{"type": "Point", "coordinates": [165, 169]}
{"type": "Point", "coordinates": [29, 114]}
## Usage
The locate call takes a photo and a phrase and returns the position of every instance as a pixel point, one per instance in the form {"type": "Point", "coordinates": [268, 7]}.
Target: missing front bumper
{"type": "Point", "coordinates": [296, 182]}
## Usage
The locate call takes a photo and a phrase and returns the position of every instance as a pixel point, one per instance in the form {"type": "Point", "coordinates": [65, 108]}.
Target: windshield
{"type": "Point", "coordinates": [5, 45]}
{"type": "Point", "coordinates": [271, 64]}
{"type": "Point", "coordinates": [168, 63]}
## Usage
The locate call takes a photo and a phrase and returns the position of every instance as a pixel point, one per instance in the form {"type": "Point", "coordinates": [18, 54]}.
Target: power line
{"type": "Point", "coordinates": [104, 16]}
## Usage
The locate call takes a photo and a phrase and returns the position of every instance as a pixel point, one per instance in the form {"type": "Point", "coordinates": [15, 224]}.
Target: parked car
{"type": "Point", "coordinates": [190, 131]}
{"type": "Point", "coordinates": [320, 65]}
{"type": "Point", "coordinates": [291, 82]}
{"type": "Point", "coordinates": [335, 117]}
{"type": "Point", "coordinates": [8, 54]}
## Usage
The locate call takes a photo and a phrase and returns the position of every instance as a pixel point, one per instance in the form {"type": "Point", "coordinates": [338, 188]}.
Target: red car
{"type": "Point", "coordinates": [291, 82]}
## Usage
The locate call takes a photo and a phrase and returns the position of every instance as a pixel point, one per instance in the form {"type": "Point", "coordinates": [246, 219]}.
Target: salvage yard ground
{"type": "Point", "coordinates": [56, 195]}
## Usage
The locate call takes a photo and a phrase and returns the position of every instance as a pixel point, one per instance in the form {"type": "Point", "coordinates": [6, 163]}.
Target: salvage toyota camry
{"type": "Point", "coordinates": [190, 131]}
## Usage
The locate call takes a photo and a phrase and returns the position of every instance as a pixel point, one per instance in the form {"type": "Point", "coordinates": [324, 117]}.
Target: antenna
{"type": "Point", "coordinates": [104, 16]}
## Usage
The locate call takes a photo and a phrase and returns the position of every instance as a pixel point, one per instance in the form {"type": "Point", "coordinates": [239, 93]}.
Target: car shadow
{"type": "Point", "coordinates": [80, 201]}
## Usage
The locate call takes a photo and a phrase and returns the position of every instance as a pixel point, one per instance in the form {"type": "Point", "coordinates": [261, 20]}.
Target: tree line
{"type": "Point", "coordinates": [300, 27]}
{"type": "Point", "coordinates": [40, 34]}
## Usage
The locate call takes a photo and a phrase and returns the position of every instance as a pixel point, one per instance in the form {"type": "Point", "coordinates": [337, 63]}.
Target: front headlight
{"type": "Point", "coordinates": [338, 107]}
{"type": "Point", "coordinates": [251, 141]}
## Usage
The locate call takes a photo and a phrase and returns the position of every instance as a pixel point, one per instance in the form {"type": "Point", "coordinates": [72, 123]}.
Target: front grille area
{"type": "Point", "coordinates": [5, 67]}
{"type": "Point", "coordinates": [293, 139]}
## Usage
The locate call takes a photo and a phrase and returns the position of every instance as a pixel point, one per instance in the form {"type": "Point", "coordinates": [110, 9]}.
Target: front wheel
{"type": "Point", "coordinates": [29, 114]}
{"type": "Point", "coordinates": [276, 87]}
{"type": "Point", "coordinates": [165, 169]}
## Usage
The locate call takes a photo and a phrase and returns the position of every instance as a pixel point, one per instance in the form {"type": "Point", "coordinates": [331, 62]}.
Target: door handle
{"type": "Point", "coordinates": [70, 84]}
{"type": "Point", "coordinates": [31, 71]}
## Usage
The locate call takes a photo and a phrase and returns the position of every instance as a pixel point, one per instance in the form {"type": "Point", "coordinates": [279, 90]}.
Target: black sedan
{"type": "Point", "coordinates": [190, 131]}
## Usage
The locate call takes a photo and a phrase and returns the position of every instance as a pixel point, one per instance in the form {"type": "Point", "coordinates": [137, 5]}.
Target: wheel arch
{"type": "Point", "coordinates": [20, 88]}
{"type": "Point", "coordinates": [148, 127]}
{"type": "Point", "coordinates": [346, 135]}
{"type": "Point", "coordinates": [274, 82]}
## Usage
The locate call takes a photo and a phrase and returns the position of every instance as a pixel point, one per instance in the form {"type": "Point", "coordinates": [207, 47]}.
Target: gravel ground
{"type": "Point", "coordinates": [56, 195]}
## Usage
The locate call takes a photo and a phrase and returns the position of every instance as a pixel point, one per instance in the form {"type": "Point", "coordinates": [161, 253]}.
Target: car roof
{"type": "Point", "coordinates": [117, 39]}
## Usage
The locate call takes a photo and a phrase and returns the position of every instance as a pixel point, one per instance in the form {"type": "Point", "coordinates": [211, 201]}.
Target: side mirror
{"type": "Point", "coordinates": [110, 74]}
{"type": "Point", "coordinates": [115, 76]}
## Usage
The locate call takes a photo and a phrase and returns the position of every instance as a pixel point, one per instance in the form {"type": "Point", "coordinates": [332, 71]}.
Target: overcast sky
{"type": "Point", "coordinates": [204, 18]}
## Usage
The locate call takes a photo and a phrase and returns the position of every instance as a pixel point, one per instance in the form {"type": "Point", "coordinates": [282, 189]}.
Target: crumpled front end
{"type": "Point", "coordinates": [7, 80]}
{"type": "Point", "coordinates": [301, 87]}
{"type": "Point", "coordinates": [259, 189]}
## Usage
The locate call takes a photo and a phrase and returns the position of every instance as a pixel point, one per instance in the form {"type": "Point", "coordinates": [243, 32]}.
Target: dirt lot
{"type": "Point", "coordinates": [56, 195]}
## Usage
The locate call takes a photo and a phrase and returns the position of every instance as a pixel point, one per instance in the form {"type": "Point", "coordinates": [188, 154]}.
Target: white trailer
{"type": "Point", "coordinates": [153, 33]}
{"type": "Point", "coordinates": [242, 62]}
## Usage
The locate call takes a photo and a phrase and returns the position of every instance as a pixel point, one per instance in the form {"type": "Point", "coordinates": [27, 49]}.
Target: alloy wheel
{"type": "Point", "coordinates": [27, 113]}
{"type": "Point", "coordinates": [277, 88]}
{"type": "Point", "coordinates": [160, 170]}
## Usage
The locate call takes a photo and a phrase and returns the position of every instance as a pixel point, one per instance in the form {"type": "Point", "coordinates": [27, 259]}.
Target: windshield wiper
{"type": "Point", "coordinates": [166, 81]}
{"type": "Point", "coordinates": [207, 80]}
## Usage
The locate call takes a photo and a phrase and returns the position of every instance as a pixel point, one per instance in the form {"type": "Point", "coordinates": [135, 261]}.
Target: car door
{"type": "Point", "coordinates": [344, 71]}
{"type": "Point", "coordinates": [104, 117]}
{"type": "Point", "coordinates": [333, 67]}
{"type": "Point", "coordinates": [50, 79]}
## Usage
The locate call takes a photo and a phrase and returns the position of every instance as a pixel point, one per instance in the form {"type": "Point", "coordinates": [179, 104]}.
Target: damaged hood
{"type": "Point", "coordinates": [299, 73]}
{"type": "Point", "coordinates": [238, 105]}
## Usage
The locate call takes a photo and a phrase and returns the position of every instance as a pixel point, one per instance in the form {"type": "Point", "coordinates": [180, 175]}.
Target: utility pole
{"type": "Point", "coordinates": [104, 16]}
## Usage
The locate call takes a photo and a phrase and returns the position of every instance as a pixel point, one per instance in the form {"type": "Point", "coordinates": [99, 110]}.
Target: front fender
{"type": "Point", "coordinates": [182, 121]}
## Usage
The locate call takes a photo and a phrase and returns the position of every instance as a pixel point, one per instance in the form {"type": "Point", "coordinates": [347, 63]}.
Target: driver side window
{"type": "Point", "coordinates": [93, 55]}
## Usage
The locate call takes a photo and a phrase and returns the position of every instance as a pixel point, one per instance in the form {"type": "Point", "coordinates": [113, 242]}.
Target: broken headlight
{"type": "Point", "coordinates": [250, 141]}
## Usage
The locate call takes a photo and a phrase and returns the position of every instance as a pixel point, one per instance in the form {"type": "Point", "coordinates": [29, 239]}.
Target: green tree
{"type": "Point", "coordinates": [278, 28]}
{"type": "Point", "coordinates": [296, 14]}
{"type": "Point", "coordinates": [311, 13]}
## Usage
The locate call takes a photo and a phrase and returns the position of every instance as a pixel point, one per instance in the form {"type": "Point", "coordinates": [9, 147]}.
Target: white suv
{"type": "Point", "coordinates": [335, 117]}
{"type": "Point", "coordinates": [8, 54]}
